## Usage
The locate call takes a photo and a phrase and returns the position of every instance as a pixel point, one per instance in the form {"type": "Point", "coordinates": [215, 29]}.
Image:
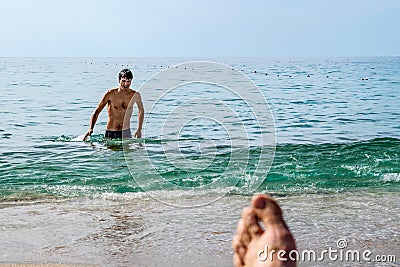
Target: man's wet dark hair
{"type": "Point", "coordinates": [125, 73]}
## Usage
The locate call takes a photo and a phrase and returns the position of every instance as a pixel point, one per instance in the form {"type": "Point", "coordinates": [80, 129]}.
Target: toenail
{"type": "Point", "coordinates": [260, 203]}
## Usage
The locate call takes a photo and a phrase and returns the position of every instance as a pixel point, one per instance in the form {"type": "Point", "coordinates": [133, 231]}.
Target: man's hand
{"type": "Point", "coordinates": [138, 134]}
{"type": "Point", "coordinates": [89, 133]}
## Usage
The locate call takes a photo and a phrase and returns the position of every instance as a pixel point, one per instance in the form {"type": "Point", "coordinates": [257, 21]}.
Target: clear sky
{"type": "Point", "coordinates": [200, 28]}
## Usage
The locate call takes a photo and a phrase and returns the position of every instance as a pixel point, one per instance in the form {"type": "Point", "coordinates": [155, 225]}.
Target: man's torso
{"type": "Point", "coordinates": [119, 109]}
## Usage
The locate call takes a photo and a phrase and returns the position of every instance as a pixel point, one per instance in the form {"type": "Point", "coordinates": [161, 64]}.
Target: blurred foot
{"type": "Point", "coordinates": [263, 238]}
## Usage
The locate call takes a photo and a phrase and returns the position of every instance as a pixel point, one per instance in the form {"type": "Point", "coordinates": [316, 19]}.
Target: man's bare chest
{"type": "Point", "coordinates": [120, 103]}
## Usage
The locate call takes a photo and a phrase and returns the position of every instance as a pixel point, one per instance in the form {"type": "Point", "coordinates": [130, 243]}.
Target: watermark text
{"type": "Point", "coordinates": [340, 253]}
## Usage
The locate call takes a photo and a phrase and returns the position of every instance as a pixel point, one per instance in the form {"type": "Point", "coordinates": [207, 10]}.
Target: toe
{"type": "Point", "coordinates": [237, 261]}
{"type": "Point", "coordinates": [269, 212]}
{"type": "Point", "coordinates": [239, 249]}
{"type": "Point", "coordinates": [267, 209]}
{"type": "Point", "coordinates": [248, 230]}
{"type": "Point", "coordinates": [236, 243]}
{"type": "Point", "coordinates": [250, 221]}
{"type": "Point", "coordinates": [243, 234]}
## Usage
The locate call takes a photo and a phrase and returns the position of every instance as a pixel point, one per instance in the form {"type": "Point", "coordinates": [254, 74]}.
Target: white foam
{"type": "Point", "coordinates": [391, 177]}
{"type": "Point", "coordinates": [78, 138]}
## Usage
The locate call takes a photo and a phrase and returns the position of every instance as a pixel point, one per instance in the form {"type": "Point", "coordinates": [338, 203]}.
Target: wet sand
{"type": "Point", "coordinates": [41, 265]}
{"type": "Point", "coordinates": [129, 231]}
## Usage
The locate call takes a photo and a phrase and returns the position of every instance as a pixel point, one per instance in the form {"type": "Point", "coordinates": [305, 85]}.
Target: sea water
{"type": "Point", "coordinates": [335, 166]}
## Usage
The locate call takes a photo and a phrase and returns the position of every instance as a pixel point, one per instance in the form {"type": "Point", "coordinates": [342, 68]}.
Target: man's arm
{"type": "Point", "coordinates": [139, 103]}
{"type": "Point", "coordinates": [103, 102]}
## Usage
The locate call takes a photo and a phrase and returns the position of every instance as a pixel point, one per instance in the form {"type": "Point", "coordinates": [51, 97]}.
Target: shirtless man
{"type": "Point", "coordinates": [120, 103]}
{"type": "Point", "coordinates": [270, 245]}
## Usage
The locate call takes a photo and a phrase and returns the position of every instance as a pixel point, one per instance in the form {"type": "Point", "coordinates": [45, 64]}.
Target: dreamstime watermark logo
{"type": "Point", "coordinates": [338, 254]}
{"type": "Point", "coordinates": [207, 127]}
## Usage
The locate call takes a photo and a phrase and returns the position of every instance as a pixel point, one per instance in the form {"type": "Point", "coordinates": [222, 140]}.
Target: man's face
{"type": "Point", "coordinates": [125, 83]}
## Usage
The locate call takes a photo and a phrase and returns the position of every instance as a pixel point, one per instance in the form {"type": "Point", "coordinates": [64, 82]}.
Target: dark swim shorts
{"type": "Point", "coordinates": [118, 134]}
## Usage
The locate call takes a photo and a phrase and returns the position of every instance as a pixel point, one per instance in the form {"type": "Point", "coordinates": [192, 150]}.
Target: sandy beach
{"type": "Point", "coordinates": [41, 265]}
{"type": "Point", "coordinates": [125, 232]}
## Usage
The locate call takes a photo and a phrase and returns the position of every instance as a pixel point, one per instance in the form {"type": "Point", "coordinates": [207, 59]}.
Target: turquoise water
{"type": "Point", "coordinates": [297, 168]}
{"type": "Point", "coordinates": [336, 128]}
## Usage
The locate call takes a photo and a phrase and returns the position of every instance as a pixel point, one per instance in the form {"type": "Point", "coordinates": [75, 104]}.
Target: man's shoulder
{"type": "Point", "coordinates": [136, 96]}
{"type": "Point", "coordinates": [112, 91]}
{"type": "Point", "coordinates": [132, 93]}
